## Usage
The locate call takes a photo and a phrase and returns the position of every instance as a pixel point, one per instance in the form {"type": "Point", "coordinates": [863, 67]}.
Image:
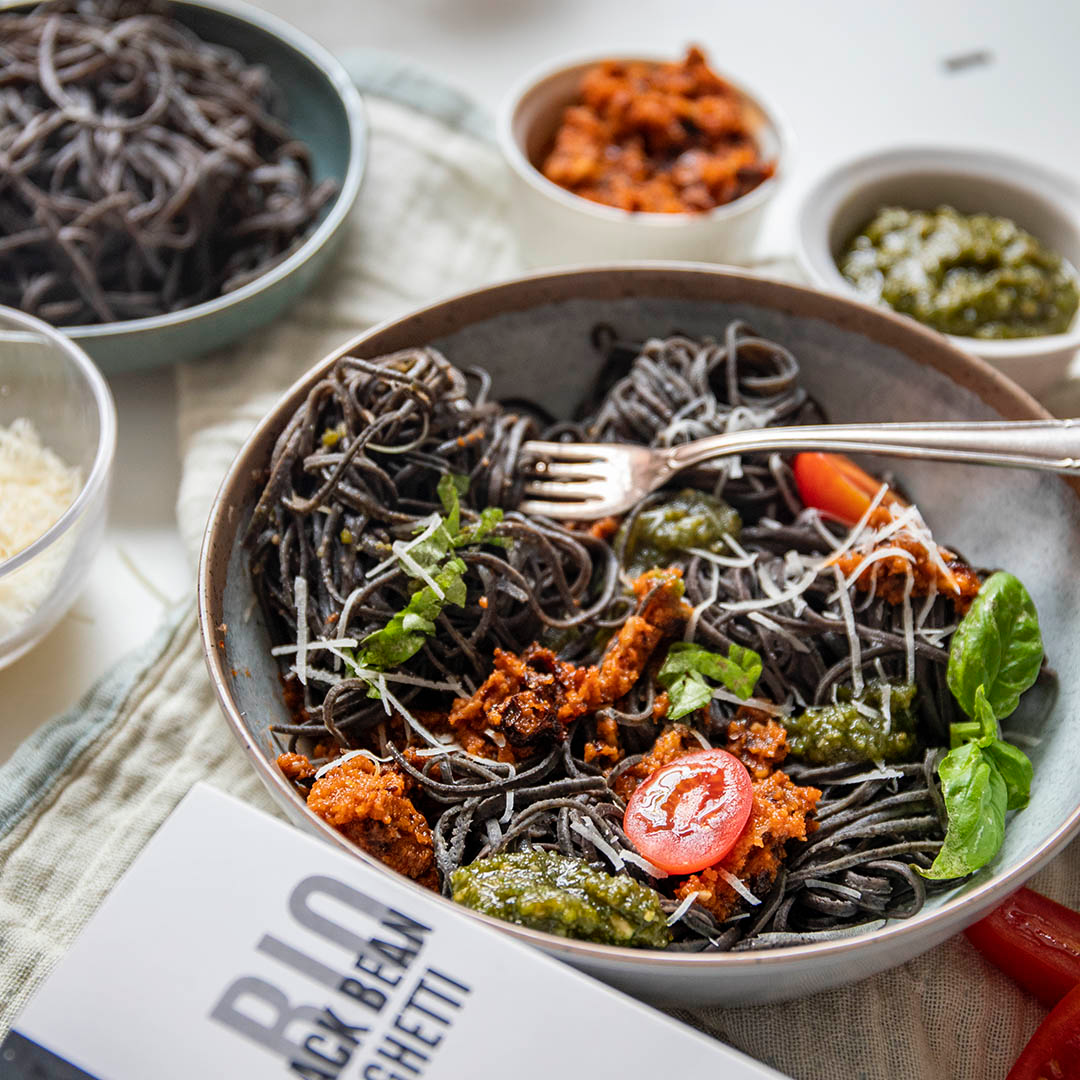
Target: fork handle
{"type": "Point", "coordinates": [1053, 445]}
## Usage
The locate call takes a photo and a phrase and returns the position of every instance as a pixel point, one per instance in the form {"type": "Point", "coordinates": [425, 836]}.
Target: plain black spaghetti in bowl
{"type": "Point", "coordinates": [171, 175]}
{"type": "Point", "coordinates": [331, 515]}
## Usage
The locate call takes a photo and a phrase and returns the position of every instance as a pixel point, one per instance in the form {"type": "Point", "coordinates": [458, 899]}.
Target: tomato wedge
{"type": "Point", "coordinates": [836, 485]}
{"type": "Point", "coordinates": [1054, 1050]}
{"type": "Point", "coordinates": [688, 815]}
{"type": "Point", "coordinates": [1035, 941]}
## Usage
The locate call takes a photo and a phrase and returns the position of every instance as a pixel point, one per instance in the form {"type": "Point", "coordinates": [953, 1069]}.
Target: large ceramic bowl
{"type": "Point", "coordinates": [533, 335]}
{"type": "Point", "coordinates": [325, 110]}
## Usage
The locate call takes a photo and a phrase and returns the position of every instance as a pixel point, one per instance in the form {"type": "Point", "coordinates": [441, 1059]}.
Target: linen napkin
{"type": "Point", "coordinates": [82, 796]}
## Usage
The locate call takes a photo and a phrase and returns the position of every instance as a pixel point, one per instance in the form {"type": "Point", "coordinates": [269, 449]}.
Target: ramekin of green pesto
{"type": "Point", "coordinates": [972, 275]}
{"type": "Point", "coordinates": [976, 244]}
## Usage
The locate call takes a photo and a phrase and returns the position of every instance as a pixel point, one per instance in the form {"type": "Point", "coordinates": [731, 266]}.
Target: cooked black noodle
{"type": "Point", "coordinates": [329, 514]}
{"type": "Point", "coordinates": [357, 468]}
{"type": "Point", "coordinates": [677, 390]}
{"type": "Point", "coordinates": [142, 169]}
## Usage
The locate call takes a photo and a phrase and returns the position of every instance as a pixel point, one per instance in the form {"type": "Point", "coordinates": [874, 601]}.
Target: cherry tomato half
{"type": "Point", "coordinates": [1035, 941]}
{"type": "Point", "coordinates": [836, 485]}
{"type": "Point", "coordinates": [1054, 1050]}
{"type": "Point", "coordinates": [688, 815]}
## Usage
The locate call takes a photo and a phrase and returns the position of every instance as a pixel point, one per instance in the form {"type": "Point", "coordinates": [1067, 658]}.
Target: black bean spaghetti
{"type": "Point", "coordinates": [524, 713]}
{"type": "Point", "coordinates": [142, 169]}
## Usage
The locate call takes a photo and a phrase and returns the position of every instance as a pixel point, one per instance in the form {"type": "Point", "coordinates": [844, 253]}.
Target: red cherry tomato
{"type": "Point", "coordinates": [836, 485]}
{"type": "Point", "coordinates": [1054, 1050]}
{"type": "Point", "coordinates": [688, 815]}
{"type": "Point", "coordinates": [1035, 941]}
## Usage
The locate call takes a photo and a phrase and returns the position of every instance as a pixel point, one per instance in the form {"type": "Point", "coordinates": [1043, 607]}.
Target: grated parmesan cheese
{"type": "Point", "coordinates": [398, 547]}
{"type": "Point", "coordinates": [640, 861]}
{"type": "Point", "coordinates": [737, 563]}
{"type": "Point", "coordinates": [410, 720]}
{"type": "Point", "coordinates": [796, 643]}
{"type": "Point", "coordinates": [754, 702]}
{"type": "Point", "coordinates": [683, 908]}
{"type": "Point", "coordinates": [301, 594]}
{"type": "Point", "coordinates": [792, 593]}
{"type": "Point", "coordinates": [36, 487]}
{"type": "Point", "coordinates": [879, 772]}
{"type": "Point", "coordinates": [877, 555]}
{"type": "Point", "coordinates": [738, 886]}
{"type": "Point", "coordinates": [852, 633]}
{"type": "Point", "coordinates": [588, 831]}
{"type": "Point", "coordinates": [508, 811]}
{"type": "Point", "coordinates": [333, 763]}
{"type": "Point", "coordinates": [909, 628]}
{"type": "Point", "coordinates": [710, 599]}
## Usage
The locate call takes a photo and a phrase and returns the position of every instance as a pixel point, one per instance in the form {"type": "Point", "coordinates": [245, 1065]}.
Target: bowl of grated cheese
{"type": "Point", "coordinates": [57, 441]}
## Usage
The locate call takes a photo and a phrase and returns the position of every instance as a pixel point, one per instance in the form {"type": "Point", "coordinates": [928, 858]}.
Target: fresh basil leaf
{"type": "Point", "coordinates": [682, 656]}
{"type": "Point", "coordinates": [976, 797]}
{"type": "Point", "coordinates": [686, 666]}
{"type": "Point", "coordinates": [688, 692]}
{"type": "Point", "coordinates": [1015, 769]}
{"type": "Point", "coordinates": [403, 636]}
{"type": "Point", "coordinates": [743, 671]}
{"type": "Point", "coordinates": [1011, 764]}
{"type": "Point", "coordinates": [997, 645]}
{"type": "Point", "coordinates": [460, 482]}
{"type": "Point", "coordinates": [450, 488]}
{"type": "Point", "coordinates": [411, 621]}
{"type": "Point", "coordinates": [452, 582]}
{"type": "Point", "coordinates": [738, 671]}
{"type": "Point", "coordinates": [966, 731]}
{"type": "Point", "coordinates": [482, 532]}
{"type": "Point", "coordinates": [984, 715]}
{"type": "Point", "coordinates": [390, 646]}
{"type": "Point", "coordinates": [431, 551]}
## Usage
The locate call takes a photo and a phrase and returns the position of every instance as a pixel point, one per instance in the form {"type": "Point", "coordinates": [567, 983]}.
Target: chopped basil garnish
{"type": "Point", "coordinates": [403, 636]}
{"type": "Point", "coordinates": [688, 665]}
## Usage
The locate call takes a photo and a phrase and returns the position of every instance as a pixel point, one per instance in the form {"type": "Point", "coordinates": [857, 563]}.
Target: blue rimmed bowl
{"type": "Point", "coordinates": [324, 110]}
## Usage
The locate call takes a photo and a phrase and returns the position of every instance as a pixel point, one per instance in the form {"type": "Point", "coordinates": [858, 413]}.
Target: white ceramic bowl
{"type": "Point", "coordinates": [1045, 204]}
{"type": "Point", "coordinates": [47, 379]}
{"type": "Point", "coordinates": [556, 227]}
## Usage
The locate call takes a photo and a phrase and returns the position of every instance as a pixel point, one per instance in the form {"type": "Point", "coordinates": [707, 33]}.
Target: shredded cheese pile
{"type": "Point", "coordinates": [36, 487]}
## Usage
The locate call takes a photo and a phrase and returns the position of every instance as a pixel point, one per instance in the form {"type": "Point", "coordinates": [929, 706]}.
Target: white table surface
{"type": "Point", "coordinates": [849, 75]}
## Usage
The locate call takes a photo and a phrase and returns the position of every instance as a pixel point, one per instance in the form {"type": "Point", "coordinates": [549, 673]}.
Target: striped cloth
{"type": "Point", "coordinates": [82, 796]}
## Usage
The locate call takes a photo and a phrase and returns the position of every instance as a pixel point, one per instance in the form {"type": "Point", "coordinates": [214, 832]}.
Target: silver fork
{"type": "Point", "coordinates": [585, 481]}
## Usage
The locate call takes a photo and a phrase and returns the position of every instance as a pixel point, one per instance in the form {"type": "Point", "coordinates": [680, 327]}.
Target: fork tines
{"type": "Point", "coordinates": [572, 477]}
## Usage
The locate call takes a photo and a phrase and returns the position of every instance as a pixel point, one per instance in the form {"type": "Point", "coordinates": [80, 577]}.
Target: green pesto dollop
{"type": "Point", "coordinates": [562, 895]}
{"type": "Point", "coordinates": [689, 519]}
{"type": "Point", "coordinates": [828, 734]}
{"type": "Point", "coordinates": [969, 274]}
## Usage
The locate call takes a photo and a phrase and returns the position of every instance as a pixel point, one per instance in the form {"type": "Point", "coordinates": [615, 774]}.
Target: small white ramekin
{"type": "Point", "coordinates": [556, 227]}
{"type": "Point", "coordinates": [972, 181]}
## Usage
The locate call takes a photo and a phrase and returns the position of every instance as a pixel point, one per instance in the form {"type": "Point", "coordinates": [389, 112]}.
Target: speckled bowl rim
{"type": "Point", "coordinates": [527, 171]}
{"type": "Point", "coordinates": [341, 204]}
{"type": "Point", "coordinates": [688, 281]}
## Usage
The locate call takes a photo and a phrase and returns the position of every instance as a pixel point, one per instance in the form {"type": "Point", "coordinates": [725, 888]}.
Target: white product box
{"type": "Point", "coordinates": [237, 946]}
